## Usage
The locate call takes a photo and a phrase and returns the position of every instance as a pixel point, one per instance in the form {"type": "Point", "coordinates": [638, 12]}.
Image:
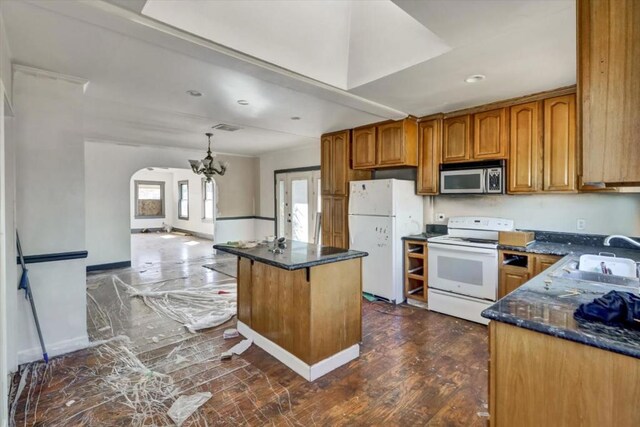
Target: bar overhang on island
{"type": "Point", "coordinates": [302, 306]}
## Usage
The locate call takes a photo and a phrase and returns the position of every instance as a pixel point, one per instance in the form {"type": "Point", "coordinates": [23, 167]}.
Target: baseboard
{"type": "Point", "coordinates": [108, 266]}
{"type": "Point", "coordinates": [308, 372]}
{"type": "Point", "coordinates": [56, 349]}
{"type": "Point", "coordinates": [194, 233]}
{"type": "Point", "coordinates": [149, 230]}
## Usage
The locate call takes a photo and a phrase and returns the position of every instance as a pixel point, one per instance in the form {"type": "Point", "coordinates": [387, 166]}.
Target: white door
{"type": "Point", "coordinates": [380, 270]}
{"type": "Point", "coordinates": [464, 270]}
{"type": "Point", "coordinates": [297, 204]}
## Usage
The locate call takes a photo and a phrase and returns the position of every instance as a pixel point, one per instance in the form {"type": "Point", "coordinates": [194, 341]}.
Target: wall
{"type": "Point", "coordinates": [277, 160]}
{"type": "Point", "coordinates": [50, 210]}
{"type": "Point", "coordinates": [147, 175]}
{"type": "Point", "coordinates": [108, 171]}
{"type": "Point", "coordinates": [8, 270]}
{"type": "Point", "coordinates": [604, 213]}
{"type": "Point", "coordinates": [195, 222]}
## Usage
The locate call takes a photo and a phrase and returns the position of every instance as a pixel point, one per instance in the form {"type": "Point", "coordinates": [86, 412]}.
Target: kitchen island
{"type": "Point", "coordinates": [302, 306]}
{"type": "Point", "coordinates": [548, 368]}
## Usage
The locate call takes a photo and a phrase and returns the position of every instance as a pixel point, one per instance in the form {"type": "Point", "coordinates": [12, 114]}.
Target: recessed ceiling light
{"type": "Point", "coordinates": [194, 93]}
{"type": "Point", "coordinates": [243, 102]}
{"type": "Point", "coordinates": [474, 78]}
{"type": "Point", "coordinates": [295, 118]}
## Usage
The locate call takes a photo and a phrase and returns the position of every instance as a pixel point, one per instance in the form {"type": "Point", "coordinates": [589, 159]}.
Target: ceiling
{"type": "Point", "coordinates": [140, 69]}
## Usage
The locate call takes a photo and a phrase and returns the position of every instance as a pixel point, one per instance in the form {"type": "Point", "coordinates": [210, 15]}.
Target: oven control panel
{"type": "Point", "coordinates": [481, 223]}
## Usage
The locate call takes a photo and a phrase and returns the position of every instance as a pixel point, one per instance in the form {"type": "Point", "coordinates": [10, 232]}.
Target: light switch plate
{"type": "Point", "coordinates": [581, 224]}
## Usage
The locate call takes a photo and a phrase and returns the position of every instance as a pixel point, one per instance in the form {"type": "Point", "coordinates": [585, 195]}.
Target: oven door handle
{"type": "Point", "coordinates": [459, 249]}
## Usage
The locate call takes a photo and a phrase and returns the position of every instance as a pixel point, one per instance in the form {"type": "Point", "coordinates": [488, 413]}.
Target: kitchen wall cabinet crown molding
{"type": "Point", "coordinates": [609, 90]}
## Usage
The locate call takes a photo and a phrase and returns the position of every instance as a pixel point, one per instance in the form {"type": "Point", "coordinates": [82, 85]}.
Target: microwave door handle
{"type": "Point", "coordinates": [484, 184]}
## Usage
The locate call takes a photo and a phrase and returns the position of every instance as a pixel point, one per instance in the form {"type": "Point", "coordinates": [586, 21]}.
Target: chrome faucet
{"type": "Point", "coordinates": [608, 239]}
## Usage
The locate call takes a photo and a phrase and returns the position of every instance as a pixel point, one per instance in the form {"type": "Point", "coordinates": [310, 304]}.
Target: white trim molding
{"type": "Point", "coordinates": [56, 349]}
{"type": "Point", "coordinates": [38, 72]}
{"type": "Point", "coordinates": [308, 372]}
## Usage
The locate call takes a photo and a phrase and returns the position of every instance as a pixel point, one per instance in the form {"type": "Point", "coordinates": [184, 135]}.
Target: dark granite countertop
{"type": "Point", "coordinates": [546, 304]}
{"type": "Point", "coordinates": [561, 249]}
{"type": "Point", "coordinates": [297, 255]}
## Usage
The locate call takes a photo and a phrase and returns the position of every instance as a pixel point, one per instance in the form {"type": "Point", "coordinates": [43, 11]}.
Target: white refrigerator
{"type": "Point", "coordinates": [381, 212]}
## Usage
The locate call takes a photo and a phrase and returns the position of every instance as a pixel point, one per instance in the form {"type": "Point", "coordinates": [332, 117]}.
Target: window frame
{"type": "Point", "coordinates": [136, 184]}
{"type": "Point", "coordinates": [204, 200]}
{"type": "Point", "coordinates": [180, 199]}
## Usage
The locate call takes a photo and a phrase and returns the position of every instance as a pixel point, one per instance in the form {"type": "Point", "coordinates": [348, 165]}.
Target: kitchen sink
{"type": "Point", "coordinates": [570, 270]}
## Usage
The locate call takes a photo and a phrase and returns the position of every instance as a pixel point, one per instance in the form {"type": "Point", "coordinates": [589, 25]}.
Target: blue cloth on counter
{"type": "Point", "coordinates": [614, 308]}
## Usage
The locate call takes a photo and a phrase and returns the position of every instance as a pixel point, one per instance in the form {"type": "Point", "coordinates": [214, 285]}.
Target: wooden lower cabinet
{"type": "Point", "coordinates": [334, 221]}
{"type": "Point", "coordinates": [416, 271]}
{"type": "Point", "coordinates": [540, 380]}
{"type": "Point", "coordinates": [517, 268]}
{"type": "Point", "coordinates": [511, 279]}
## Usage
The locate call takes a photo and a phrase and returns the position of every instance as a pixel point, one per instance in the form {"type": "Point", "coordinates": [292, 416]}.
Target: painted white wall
{"type": "Point", "coordinates": [604, 213]}
{"type": "Point", "coordinates": [7, 245]}
{"type": "Point", "coordinates": [286, 159]}
{"type": "Point", "coordinates": [195, 222]}
{"type": "Point", "coordinates": [50, 210]}
{"type": "Point", "coordinates": [108, 171]}
{"type": "Point", "coordinates": [5, 59]}
{"type": "Point", "coordinates": [147, 175]}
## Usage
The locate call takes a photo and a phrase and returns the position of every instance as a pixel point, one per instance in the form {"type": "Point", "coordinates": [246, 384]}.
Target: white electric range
{"type": "Point", "coordinates": [463, 267]}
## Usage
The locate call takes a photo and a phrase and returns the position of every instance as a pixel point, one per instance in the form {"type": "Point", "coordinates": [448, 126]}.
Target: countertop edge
{"type": "Point", "coordinates": [342, 257]}
{"type": "Point", "coordinates": [555, 332]}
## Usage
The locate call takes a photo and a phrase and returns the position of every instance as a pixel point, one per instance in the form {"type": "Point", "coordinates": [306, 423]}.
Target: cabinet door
{"type": "Point", "coordinates": [490, 134]}
{"type": "Point", "coordinates": [608, 75]}
{"type": "Point", "coordinates": [456, 139]}
{"type": "Point", "coordinates": [340, 163]}
{"type": "Point", "coordinates": [339, 222]}
{"type": "Point", "coordinates": [364, 148]}
{"type": "Point", "coordinates": [511, 279]}
{"type": "Point", "coordinates": [542, 262]}
{"type": "Point", "coordinates": [327, 216]}
{"type": "Point", "coordinates": [560, 144]}
{"type": "Point", "coordinates": [525, 154]}
{"type": "Point", "coordinates": [390, 144]}
{"type": "Point", "coordinates": [326, 174]}
{"type": "Point", "coordinates": [429, 141]}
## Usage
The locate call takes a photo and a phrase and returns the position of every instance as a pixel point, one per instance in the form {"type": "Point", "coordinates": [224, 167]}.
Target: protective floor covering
{"type": "Point", "coordinates": [416, 367]}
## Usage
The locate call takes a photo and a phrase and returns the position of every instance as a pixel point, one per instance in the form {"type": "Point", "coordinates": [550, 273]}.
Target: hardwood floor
{"type": "Point", "coordinates": [416, 368]}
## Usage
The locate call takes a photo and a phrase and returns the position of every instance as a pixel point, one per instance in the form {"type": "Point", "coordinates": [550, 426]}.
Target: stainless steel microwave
{"type": "Point", "coordinates": [473, 178]}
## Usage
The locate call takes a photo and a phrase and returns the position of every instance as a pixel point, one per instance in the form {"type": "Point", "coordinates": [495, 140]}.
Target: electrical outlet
{"type": "Point", "coordinates": [581, 224]}
{"type": "Point", "coordinates": [440, 217]}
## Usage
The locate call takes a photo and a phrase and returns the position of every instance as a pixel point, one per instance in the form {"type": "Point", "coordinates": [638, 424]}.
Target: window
{"type": "Point", "coordinates": [183, 199]}
{"type": "Point", "coordinates": [149, 199]}
{"type": "Point", "coordinates": [207, 199]}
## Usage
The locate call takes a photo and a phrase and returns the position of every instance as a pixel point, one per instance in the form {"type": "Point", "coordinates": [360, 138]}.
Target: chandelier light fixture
{"type": "Point", "coordinates": [206, 166]}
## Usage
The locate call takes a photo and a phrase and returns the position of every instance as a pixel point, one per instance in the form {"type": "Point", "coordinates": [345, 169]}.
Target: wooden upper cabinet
{"type": "Point", "coordinates": [609, 92]}
{"type": "Point", "coordinates": [340, 163]}
{"type": "Point", "coordinates": [490, 134]}
{"type": "Point", "coordinates": [326, 148]}
{"type": "Point", "coordinates": [429, 142]}
{"type": "Point", "coordinates": [364, 148]}
{"type": "Point", "coordinates": [525, 152]}
{"type": "Point", "coordinates": [560, 144]}
{"type": "Point", "coordinates": [397, 143]}
{"type": "Point", "coordinates": [456, 139]}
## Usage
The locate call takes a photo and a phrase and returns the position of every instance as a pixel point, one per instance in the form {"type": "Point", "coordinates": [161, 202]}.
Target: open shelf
{"type": "Point", "coordinates": [415, 270]}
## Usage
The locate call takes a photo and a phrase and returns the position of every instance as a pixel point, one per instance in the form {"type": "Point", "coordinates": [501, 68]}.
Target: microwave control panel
{"type": "Point", "coordinates": [494, 180]}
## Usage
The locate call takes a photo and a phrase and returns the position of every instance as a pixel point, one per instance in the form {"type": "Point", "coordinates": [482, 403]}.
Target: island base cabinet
{"type": "Point", "coordinates": [540, 380]}
{"type": "Point", "coordinates": [309, 314]}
